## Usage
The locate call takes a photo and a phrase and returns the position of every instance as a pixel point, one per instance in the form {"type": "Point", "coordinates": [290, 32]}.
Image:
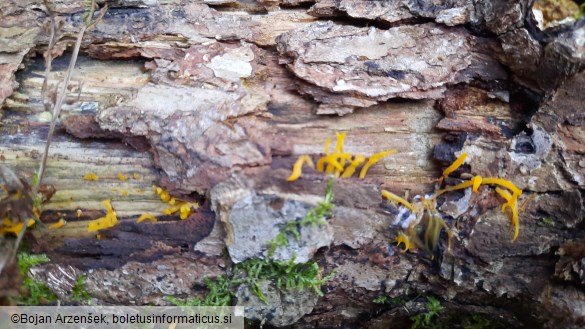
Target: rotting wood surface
{"type": "Point", "coordinates": [216, 104]}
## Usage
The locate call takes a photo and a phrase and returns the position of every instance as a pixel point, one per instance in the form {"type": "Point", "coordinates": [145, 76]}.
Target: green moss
{"type": "Point", "coordinates": [425, 320]}
{"type": "Point", "coordinates": [315, 217]}
{"type": "Point", "coordinates": [79, 293]}
{"type": "Point", "coordinates": [37, 293]}
{"type": "Point", "coordinates": [476, 321]}
{"type": "Point", "coordinates": [287, 275]}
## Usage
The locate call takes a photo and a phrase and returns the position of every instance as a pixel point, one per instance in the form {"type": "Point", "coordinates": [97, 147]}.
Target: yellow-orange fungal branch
{"type": "Point", "coordinates": [298, 167]}
{"type": "Point", "coordinates": [454, 166]}
{"type": "Point", "coordinates": [504, 183]}
{"type": "Point", "coordinates": [350, 170]}
{"type": "Point", "coordinates": [476, 180]}
{"type": "Point", "coordinates": [373, 159]}
{"type": "Point", "coordinates": [337, 150]}
{"type": "Point", "coordinates": [331, 159]}
{"type": "Point", "coordinates": [460, 186]}
{"type": "Point", "coordinates": [391, 196]}
{"type": "Point", "coordinates": [404, 239]}
{"type": "Point", "coordinates": [327, 144]}
{"type": "Point", "coordinates": [512, 204]}
{"type": "Point", "coordinates": [58, 224]}
{"type": "Point", "coordinates": [146, 216]}
{"type": "Point", "coordinates": [109, 220]}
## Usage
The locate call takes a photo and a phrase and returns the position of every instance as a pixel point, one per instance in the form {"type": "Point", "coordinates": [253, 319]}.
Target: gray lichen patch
{"type": "Point", "coordinates": [257, 219]}
{"type": "Point", "coordinates": [283, 307]}
{"type": "Point", "coordinates": [346, 66]}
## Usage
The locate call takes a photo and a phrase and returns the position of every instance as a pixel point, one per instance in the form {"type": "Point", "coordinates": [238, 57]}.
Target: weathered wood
{"type": "Point", "coordinates": [211, 103]}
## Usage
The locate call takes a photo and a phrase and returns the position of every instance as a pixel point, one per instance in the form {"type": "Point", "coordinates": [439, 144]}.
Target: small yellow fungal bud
{"type": "Point", "coordinates": [476, 180]}
{"type": "Point", "coordinates": [89, 176]}
{"type": "Point", "coordinates": [146, 216]}
{"type": "Point", "coordinates": [58, 224]}
{"type": "Point", "coordinates": [121, 177]}
{"type": "Point", "coordinates": [404, 239]}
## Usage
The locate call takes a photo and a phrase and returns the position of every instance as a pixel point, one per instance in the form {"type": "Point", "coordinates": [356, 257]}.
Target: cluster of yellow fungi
{"type": "Point", "coordinates": [434, 223]}
{"type": "Point", "coordinates": [184, 208]}
{"type": "Point", "coordinates": [338, 162]}
{"type": "Point", "coordinates": [422, 210]}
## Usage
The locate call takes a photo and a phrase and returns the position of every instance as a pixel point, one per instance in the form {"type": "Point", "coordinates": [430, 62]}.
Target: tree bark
{"type": "Point", "coordinates": [215, 101]}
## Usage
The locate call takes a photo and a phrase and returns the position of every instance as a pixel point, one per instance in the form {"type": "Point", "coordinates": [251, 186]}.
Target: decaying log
{"type": "Point", "coordinates": [215, 100]}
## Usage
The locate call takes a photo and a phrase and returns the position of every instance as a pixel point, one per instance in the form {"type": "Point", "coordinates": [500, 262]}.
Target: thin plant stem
{"type": "Point", "coordinates": [61, 96]}
{"type": "Point", "coordinates": [59, 103]}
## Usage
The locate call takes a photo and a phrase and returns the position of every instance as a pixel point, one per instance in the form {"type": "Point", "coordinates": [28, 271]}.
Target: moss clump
{"type": "Point", "coordinates": [286, 275]}
{"type": "Point", "coordinates": [424, 320]}
{"type": "Point", "coordinates": [36, 293]}
{"type": "Point", "coordinates": [79, 293]}
{"type": "Point", "coordinates": [314, 217]}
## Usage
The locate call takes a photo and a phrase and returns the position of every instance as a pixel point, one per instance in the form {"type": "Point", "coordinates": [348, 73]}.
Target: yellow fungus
{"type": "Point", "coordinates": [171, 210]}
{"type": "Point", "coordinates": [327, 144]}
{"type": "Point", "coordinates": [404, 239]}
{"type": "Point", "coordinates": [165, 196]}
{"type": "Point", "coordinates": [144, 217]}
{"type": "Point", "coordinates": [79, 213]}
{"type": "Point", "coordinates": [372, 160]}
{"type": "Point", "coordinates": [125, 193]}
{"type": "Point", "coordinates": [504, 183]}
{"type": "Point", "coordinates": [298, 166]}
{"type": "Point", "coordinates": [58, 224]}
{"type": "Point", "coordinates": [391, 196]}
{"type": "Point", "coordinates": [7, 221]}
{"type": "Point", "coordinates": [332, 160]}
{"type": "Point", "coordinates": [109, 220]}
{"type": "Point", "coordinates": [30, 222]}
{"type": "Point", "coordinates": [121, 177]}
{"type": "Point", "coordinates": [135, 176]}
{"type": "Point", "coordinates": [359, 159]}
{"type": "Point", "coordinates": [89, 176]}
{"type": "Point", "coordinates": [460, 186]}
{"type": "Point", "coordinates": [454, 166]}
{"type": "Point", "coordinates": [14, 229]}
{"type": "Point", "coordinates": [185, 210]}
{"type": "Point", "coordinates": [476, 180]}
{"type": "Point", "coordinates": [512, 204]}
{"type": "Point", "coordinates": [108, 205]}
{"type": "Point", "coordinates": [338, 149]}
{"type": "Point", "coordinates": [504, 194]}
